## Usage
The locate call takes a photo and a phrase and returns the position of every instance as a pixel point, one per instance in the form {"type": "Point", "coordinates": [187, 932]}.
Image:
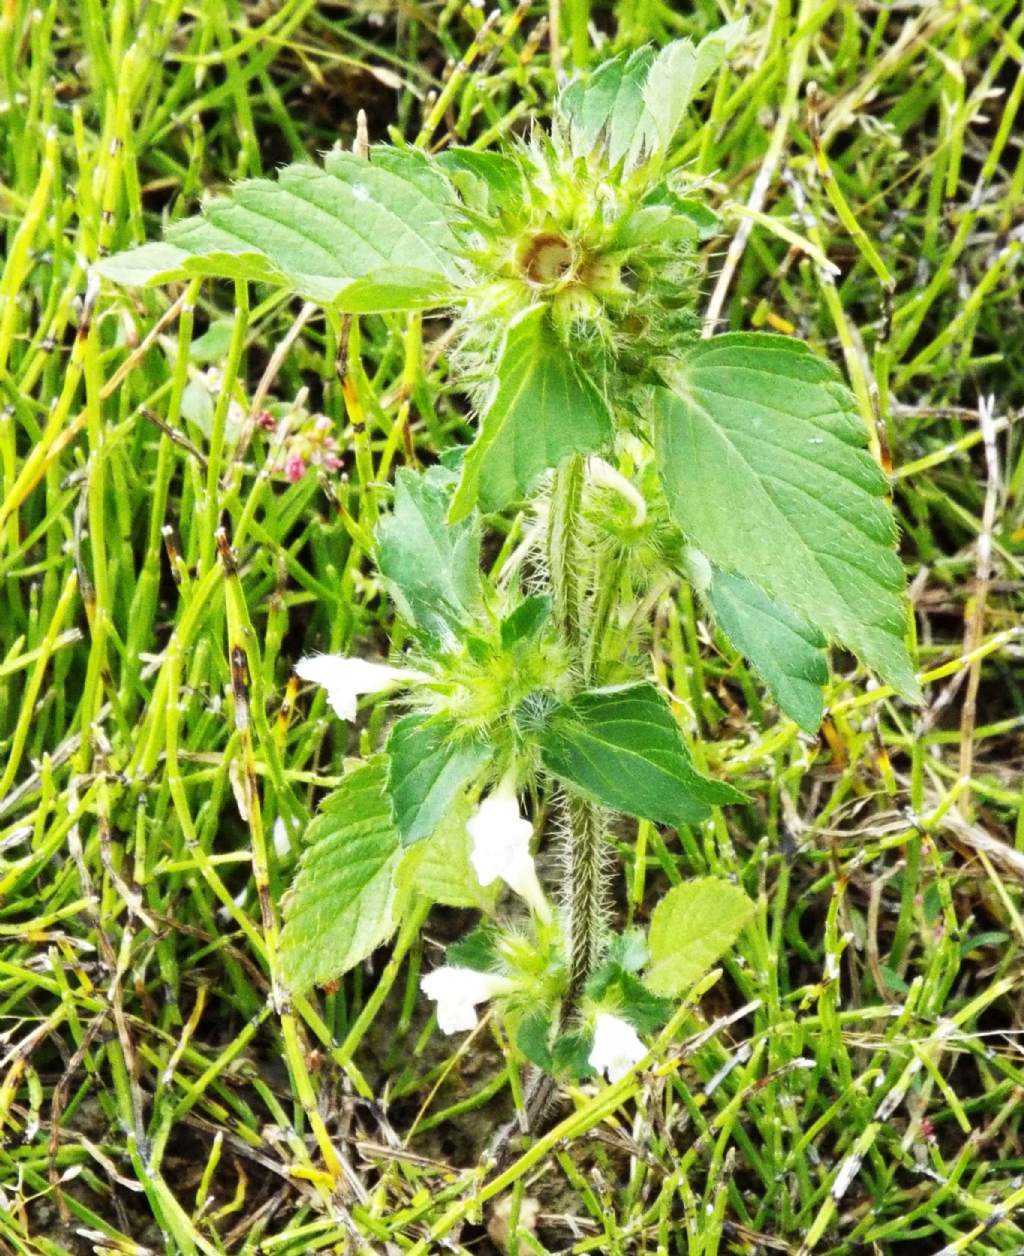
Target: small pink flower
{"type": "Point", "coordinates": [294, 468]}
{"type": "Point", "coordinates": [266, 420]}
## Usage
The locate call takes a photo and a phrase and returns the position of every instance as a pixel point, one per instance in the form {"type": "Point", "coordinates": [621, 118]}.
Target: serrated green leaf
{"type": "Point", "coordinates": [542, 409]}
{"type": "Point", "coordinates": [439, 868]}
{"type": "Point", "coordinates": [618, 991]}
{"type": "Point", "coordinates": [432, 567]}
{"type": "Point", "coordinates": [622, 747]}
{"type": "Point", "coordinates": [655, 224]}
{"type": "Point", "coordinates": [570, 1054]}
{"type": "Point", "coordinates": [477, 950]}
{"type": "Point", "coordinates": [678, 73]}
{"type": "Point", "coordinates": [632, 105]}
{"type": "Point", "coordinates": [430, 767]}
{"type": "Point", "coordinates": [786, 652]}
{"type": "Point", "coordinates": [341, 905]}
{"type": "Point", "coordinates": [485, 179]}
{"type": "Point", "coordinates": [362, 236]}
{"type": "Point", "coordinates": [693, 926]}
{"type": "Point", "coordinates": [148, 264]}
{"type": "Point", "coordinates": [533, 1038]}
{"type": "Point", "coordinates": [705, 220]}
{"type": "Point", "coordinates": [763, 459]}
{"type": "Point", "coordinates": [607, 109]}
{"type": "Point", "coordinates": [394, 288]}
{"type": "Point", "coordinates": [565, 1057]}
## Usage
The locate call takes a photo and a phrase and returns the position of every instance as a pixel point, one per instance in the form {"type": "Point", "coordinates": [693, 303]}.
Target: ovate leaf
{"type": "Point", "coordinates": [528, 619]}
{"type": "Point", "coordinates": [478, 949]}
{"type": "Point", "coordinates": [628, 950]}
{"type": "Point", "coordinates": [632, 105]}
{"type": "Point", "coordinates": [622, 747]}
{"type": "Point", "coordinates": [358, 235]}
{"type": "Point", "coordinates": [430, 767]}
{"type": "Point", "coordinates": [570, 1054]}
{"type": "Point", "coordinates": [618, 991]}
{"type": "Point", "coordinates": [763, 459]}
{"type": "Point", "coordinates": [784, 650]}
{"type": "Point", "coordinates": [678, 73]}
{"type": "Point", "coordinates": [485, 179]}
{"type": "Point", "coordinates": [533, 1038]}
{"type": "Point", "coordinates": [542, 408]}
{"type": "Point", "coordinates": [665, 217]}
{"type": "Point", "coordinates": [341, 905]}
{"type": "Point", "coordinates": [432, 567]}
{"type": "Point", "coordinates": [563, 1055]}
{"type": "Point", "coordinates": [693, 926]}
{"type": "Point", "coordinates": [607, 110]}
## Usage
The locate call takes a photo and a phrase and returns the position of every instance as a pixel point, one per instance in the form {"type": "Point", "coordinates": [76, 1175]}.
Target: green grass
{"type": "Point", "coordinates": [851, 1080]}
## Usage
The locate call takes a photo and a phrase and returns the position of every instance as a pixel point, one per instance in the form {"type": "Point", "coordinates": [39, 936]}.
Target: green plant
{"type": "Point", "coordinates": [647, 457]}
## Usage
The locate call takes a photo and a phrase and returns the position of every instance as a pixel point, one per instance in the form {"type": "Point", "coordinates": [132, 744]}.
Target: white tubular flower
{"type": "Point", "coordinates": [617, 1046]}
{"type": "Point", "coordinates": [346, 678]}
{"type": "Point", "coordinates": [501, 846]}
{"type": "Point", "coordinates": [605, 475]}
{"type": "Point", "coordinates": [457, 991]}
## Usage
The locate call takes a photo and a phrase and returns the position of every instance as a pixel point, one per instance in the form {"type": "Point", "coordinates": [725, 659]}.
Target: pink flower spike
{"type": "Point", "coordinates": [294, 468]}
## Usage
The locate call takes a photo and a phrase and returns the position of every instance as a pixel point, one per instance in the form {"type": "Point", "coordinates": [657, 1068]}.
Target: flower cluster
{"type": "Point", "coordinates": [312, 444]}
{"type": "Point", "coordinates": [500, 833]}
{"type": "Point", "coordinates": [500, 838]}
{"type": "Point", "coordinates": [613, 266]}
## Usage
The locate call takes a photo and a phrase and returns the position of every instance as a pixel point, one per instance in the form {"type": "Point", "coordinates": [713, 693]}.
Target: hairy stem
{"type": "Point", "coordinates": [567, 562]}
{"type": "Point", "coordinates": [586, 894]}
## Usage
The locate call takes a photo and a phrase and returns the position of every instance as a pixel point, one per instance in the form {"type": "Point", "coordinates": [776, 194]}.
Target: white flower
{"type": "Point", "coordinates": [617, 1046]}
{"type": "Point", "coordinates": [346, 678]}
{"type": "Point", "coordinates": [501, 846]}
{"type": "Point", "coordinates": [282, 842]}
{"type": "Point", "coordinates": [605, 475]}
{"type": "Point", "coordinates": [457, 991]}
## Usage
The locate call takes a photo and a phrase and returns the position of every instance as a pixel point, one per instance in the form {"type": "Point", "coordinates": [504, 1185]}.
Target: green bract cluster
{"type": "Point", "coordinates": [647, 455]}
